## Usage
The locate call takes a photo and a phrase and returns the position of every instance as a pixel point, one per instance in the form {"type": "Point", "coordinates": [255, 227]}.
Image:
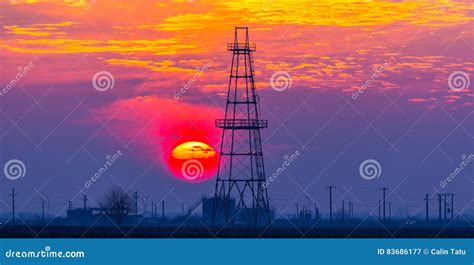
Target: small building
{"type": "Point", "coordinates": [79, 216]}
{"type": "Point", "coordinates": [305, 216]}
{"type": "Point", "coordinates": [225, 207]}
{"type": "Point", "coordinates": [255, 216]}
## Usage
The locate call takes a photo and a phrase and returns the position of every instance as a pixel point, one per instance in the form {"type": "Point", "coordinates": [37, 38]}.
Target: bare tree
{"type": "Point", "coordinates": [118, 204]}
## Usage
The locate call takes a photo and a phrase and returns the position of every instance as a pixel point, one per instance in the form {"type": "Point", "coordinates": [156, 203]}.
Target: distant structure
{"type": "Point", "coordinates": [427, 207]}
{"type": "Point", "coordinates": [305, 215]}
{"type": "Point", "coordinates": [444, 209]}
{"type": "Point", "coordinates": [80, 216]}
{"type": "Point", "coordinates": [208, 205]}
{"type": "Point", "coordinates": [241, 173]}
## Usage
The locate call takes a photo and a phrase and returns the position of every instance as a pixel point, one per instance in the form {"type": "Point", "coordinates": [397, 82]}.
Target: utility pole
{"type": "Point", "coordinates": [145, 204]}
{"type": "Point", "coordinates": [379, 210]}
{"type": "Point", "coordinates": [163, 210]}
{"type": "Point", "coordinates": [297, 211]}
{"type": "Point", "coordinates": [152, 209]}
{"type": "Point", "coordinates": [85, 201]}
{"type": "Point", "coordinates": [351, 209]}
{"type": "Point", "coordinates": [47, 203]}
{"type": "Point", "coordinates": [42, 208]}
{"type": "Point", "coordinates": [389, 210]}
{"type": "Point", "coordinates": [330, 201]}
{"type": "Point", "coordinates": [427, 199]}
{"type": "Point", "coordinates": [452, 206]}
{"type": "Point", "coordinates": [439, 206]}
{"type": "Point", "coordinates": [343, 212]}
{"type": "Point", "coordinates": [384, 189]}
{"type": "Point", "coordinates": [445, 204]}
{"type": "Point", "coordinates": [135, 196]}
{"type": "Point", "coordinates": [13, 194]}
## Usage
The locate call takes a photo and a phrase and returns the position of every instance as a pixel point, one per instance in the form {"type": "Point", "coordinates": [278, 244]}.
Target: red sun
{"type": "Point", "coordinates": [193, 162]}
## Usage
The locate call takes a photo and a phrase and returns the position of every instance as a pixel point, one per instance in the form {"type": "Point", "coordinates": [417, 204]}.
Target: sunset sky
{"type": "Point", "coordinates": [170, 71]}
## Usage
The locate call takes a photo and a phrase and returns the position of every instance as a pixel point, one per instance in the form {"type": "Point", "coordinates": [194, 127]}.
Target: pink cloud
{"type": "Point", "coordinates": [153, 126]}
{"type": "Point", "coordinates": [421, 100]}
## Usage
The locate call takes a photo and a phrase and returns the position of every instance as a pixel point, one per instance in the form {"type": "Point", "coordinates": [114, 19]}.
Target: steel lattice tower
{"type": "Point", "coordinates": [240, 190]}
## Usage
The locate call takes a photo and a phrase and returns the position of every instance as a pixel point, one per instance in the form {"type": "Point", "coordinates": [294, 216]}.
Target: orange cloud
{"type": "Point", "coordinates": [350, 13]}
{"type": "Point", "coordinates": [68, 46]}
{"type": "Point", "coordinates": [39, 30]}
